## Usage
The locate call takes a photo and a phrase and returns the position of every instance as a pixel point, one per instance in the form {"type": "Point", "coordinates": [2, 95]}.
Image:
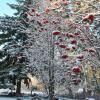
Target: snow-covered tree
{"type": "Point", "coordinates": [58, 33]}
{"type": "Point", "coordinates": [65, 24]}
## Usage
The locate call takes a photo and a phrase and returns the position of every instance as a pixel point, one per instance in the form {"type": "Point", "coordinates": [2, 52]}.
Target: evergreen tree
{"type": "Point", "coordinates": [13, 60]}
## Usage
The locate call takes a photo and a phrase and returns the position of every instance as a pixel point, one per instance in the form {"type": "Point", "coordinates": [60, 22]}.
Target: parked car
{"type": "Point", "coordinates": [4, 91]}
{"type": "Point", "coordinates": [39, 94]}
{"type": "Point", "coordinates": [7, 92]}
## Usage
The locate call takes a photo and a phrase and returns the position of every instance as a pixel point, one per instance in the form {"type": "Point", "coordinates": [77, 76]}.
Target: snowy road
{"type": "Point", "coordinates": [24, 98]}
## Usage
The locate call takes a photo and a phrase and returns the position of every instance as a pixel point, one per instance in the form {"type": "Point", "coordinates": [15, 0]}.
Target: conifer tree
{"type": "Point", "coordinates": [13, 60]}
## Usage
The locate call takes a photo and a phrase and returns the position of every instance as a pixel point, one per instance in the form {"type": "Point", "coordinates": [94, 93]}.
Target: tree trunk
{"type": "Point", "coordinates": [18, 88]}
{"type": "Point", "coordinates": [70, 92]}
{"type": "Point", "coordinates": [51, 68]}
{"type": "Point", "coordinates": [51, 84]}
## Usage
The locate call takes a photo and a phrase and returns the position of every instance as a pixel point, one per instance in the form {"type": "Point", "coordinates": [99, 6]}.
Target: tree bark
{"type": "Point", "coordinates": [51, 84]}
{"type": "Point", "coordinates": [51, 68]}
{"type": "Point", "coordinates": [18, 88]}
{"type": "Point", "coordinates": [70, 92]}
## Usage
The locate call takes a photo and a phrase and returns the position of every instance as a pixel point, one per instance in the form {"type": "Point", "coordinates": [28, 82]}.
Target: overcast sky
{"type": "Point", "coordinates": [5, 9]}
